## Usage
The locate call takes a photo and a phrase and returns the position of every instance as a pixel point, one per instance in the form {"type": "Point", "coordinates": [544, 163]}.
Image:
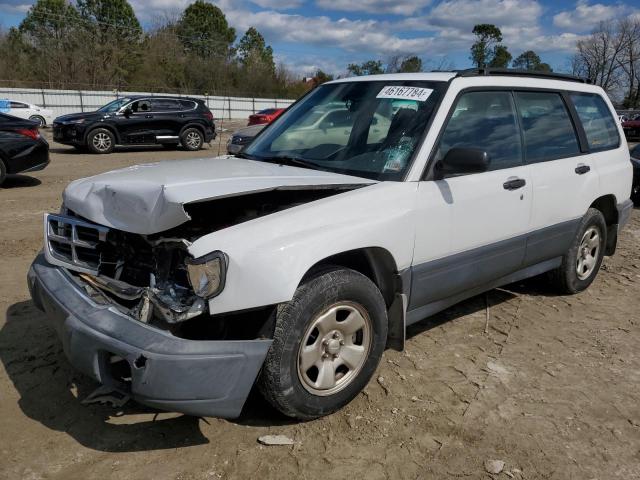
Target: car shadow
{"type": "Point", "coordinates": [20, 181]}
{"type": "Point", "coordinates": [129, 149]}
{"type": "Point", "coordinates": [51, 391]}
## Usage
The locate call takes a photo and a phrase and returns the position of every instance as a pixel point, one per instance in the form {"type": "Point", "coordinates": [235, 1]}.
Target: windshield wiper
{"type": "Point", "coordinates": [293, 161]}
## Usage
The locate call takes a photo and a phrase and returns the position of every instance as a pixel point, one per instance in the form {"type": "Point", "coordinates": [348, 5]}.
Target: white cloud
{"type": "Point", "coordinates": [396, 7]}
{"type": "Point", "coordinates": [586, 16]}
{"type": "Point", "coordinates": [464, 14]}
{"type": "Point", "coordinates": [278, 4]}
{"type": "Point", "coordinates": [14, 7]}
{"type": "Point", "coordinates": [351, 35]}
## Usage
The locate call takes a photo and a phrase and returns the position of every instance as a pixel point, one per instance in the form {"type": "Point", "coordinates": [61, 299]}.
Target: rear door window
{"type": "Point", "coordinates": [598, 123]}
{"type": "Point", "coordinates": [548, 130]}
{"type": "Point", "coordinates": [485, 121]}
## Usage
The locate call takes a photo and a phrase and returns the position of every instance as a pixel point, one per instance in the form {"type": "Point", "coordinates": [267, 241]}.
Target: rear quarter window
{"type": "Point", "coordinates": [599, 125]}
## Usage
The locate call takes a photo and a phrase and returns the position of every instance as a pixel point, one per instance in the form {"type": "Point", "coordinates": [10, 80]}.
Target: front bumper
{"type": "Point", "coordinates": [204, 378]}
{"type": "Point", "coordinates": [69, 134]}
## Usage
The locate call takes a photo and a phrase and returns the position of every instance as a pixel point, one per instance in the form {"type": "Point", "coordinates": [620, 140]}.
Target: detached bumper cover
{"type": "Point", "coordinates": [204, 378]}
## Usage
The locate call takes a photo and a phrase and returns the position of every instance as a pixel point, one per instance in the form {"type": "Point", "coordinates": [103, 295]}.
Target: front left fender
{"type": "Point", "coordinates": [269, 256]}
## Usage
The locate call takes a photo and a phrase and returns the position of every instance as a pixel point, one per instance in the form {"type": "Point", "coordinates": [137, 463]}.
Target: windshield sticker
{"type": "Point", "coordinates": [405, 93]}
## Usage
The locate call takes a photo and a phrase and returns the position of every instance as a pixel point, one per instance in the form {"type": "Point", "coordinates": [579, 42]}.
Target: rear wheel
{"type": "Point", "coordinates": [101, 140]}
{"type": "Point", "coordinates": [37, 118]}
{"type": "Point", "coordinates": [327, 344]}
{"type": "Point", "coordinates": [192, 139]}
{"type": "Point", "coordinates": [581, 263]}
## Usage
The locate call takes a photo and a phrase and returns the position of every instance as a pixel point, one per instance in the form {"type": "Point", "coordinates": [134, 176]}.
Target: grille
{"type": "Point", "coordinates": [73, 243]}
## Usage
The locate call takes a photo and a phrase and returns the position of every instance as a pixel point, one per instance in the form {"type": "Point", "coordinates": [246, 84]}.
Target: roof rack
{"type": "Point", "coordinates": [473, 72]}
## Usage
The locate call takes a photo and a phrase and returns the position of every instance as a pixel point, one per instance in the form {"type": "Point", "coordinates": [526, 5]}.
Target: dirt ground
{"type": "Point", "coordinates": [553, 388]}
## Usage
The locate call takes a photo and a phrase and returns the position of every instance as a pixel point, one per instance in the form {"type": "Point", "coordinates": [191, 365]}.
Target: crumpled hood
{"type": "Point", "coordinates": [149, 198]}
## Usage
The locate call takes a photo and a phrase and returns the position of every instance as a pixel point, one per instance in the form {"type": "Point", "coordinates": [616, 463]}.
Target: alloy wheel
{"type": "Point", "coordinates": [101, 141]}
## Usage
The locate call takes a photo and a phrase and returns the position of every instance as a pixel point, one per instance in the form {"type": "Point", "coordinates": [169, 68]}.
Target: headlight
{"type": "Point", "coordinates": [207, 274]}
{"type": "Point", "coordinates": [79, 120]}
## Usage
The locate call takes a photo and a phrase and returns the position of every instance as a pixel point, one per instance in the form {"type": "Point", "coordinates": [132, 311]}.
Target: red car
{"type": "Point", "coordinates": [265, 116]}
{"type": "Point", "coordinates": [632, 127]}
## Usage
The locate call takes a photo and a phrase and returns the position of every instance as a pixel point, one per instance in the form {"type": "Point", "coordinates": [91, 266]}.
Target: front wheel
{"type": "Point", "coordinates": [192, 139]}
{"type": "Point", "coordinates": [101, 140]}
{"type": "Point", "coordinates": [327, 344]}
{"type": "Point", "coordinates": [581, 263]}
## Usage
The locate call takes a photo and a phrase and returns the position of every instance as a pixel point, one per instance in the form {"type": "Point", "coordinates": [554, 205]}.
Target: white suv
{"type": "Point", "coordinates": [183, 282]}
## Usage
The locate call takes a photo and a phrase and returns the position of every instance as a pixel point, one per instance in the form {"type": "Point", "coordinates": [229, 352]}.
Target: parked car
{"type": "Point", "coordinates": [632, 127]}
{"type": "Point", "coordinates": [294, 266]}
{"type": "Point", "coordinates": [138, 120]}
{"type": "Point", "coordinates": [265, 116]}
{"type": "Point", "coordinates": [22, 148]}
{"type": "Point", "coordinates": [28, 111]}
{"type": "Point", "coordinates": [243, 137]}
{"type": "Point", "coordinates": [635, 161]}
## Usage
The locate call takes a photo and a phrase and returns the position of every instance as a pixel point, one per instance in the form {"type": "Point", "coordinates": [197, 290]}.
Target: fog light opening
{"type": "Point", "coordinates": [140, 362]}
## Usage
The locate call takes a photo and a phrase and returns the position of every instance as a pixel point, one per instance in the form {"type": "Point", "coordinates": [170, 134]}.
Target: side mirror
{"type": "Point", "coordinates": [127, 112]}
{"type": "Point", "coordinates": [463, 160]}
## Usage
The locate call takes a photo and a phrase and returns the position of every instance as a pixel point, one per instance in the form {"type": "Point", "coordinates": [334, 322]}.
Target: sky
{"type": "Point", "coordinates": [329, 34]}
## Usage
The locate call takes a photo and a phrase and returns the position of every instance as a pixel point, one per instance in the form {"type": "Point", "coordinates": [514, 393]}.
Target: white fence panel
{"type": "Point", "coordinates": [63, 102]}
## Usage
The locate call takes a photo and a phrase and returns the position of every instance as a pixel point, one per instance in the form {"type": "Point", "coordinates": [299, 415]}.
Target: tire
{"type": "Point", "coordinates": [582, 261]}
{"type": "Point", "coordinates": [315, 326]}
{"type": "Point", "coordinates": [100, 140]}
{"type": "Point", "coordinates": [3, 172]}
{"type": "Point", "coordinates": [192, 139]}
{"type": "Point", "coordinates": [39, 119]}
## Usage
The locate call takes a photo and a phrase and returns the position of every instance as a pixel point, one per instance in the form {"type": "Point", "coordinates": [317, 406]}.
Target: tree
{"type": "Point", "coordinates": [370, 67]}
{"type": "Point", "coordinates": [601, 55]}
{"type": "Point", "coordinates": [488, 38]}
{"type": "Point", "coordinates": [322, 77]}
{"type": "Point", "coordinates": [530, 60]}
{"type": "Point", "coordinates": [113, 37]}
{"type": "Point", "coordinates": [501, 57]}
{"type": "Point", "coordinates": [411, 64]}
{"type": "Point", "coordinates": [48, 35]}
{"type": "Point", "coordinates": [253, 50]}
{"type": "Point", "coordinates": [204, 30]}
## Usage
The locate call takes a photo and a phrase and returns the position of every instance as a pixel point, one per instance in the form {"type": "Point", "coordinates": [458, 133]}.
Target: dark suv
{"type": "Point", "coordinates": [138, 120]}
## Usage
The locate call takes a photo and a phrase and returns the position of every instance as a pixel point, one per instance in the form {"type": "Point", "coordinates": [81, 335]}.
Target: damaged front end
{"type": "Point", "coordinates": [146, 278]}
{"type": "Point", "coordinates": [153, 278]}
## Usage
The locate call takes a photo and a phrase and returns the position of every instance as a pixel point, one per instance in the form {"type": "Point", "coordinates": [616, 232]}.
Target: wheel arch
{"type": "Point", "coordinates": [607, 205]}
{"type": "Point", "coordinates": [95, 126]}
{"type": "Point", "coordinates": [192, 125]}
{"type": "Point", "coordinates": [379, 265]}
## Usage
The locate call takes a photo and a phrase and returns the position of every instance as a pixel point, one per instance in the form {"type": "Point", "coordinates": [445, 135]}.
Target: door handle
{"type": "Point", "coordinates": [514, 183]}
{"type": "Point", "coordinates": [148, 116]}
{"type": "Point", "coordinates": [581, 169]}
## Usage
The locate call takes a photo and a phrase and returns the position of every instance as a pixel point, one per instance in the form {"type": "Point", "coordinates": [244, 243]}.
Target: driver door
{"type": "Point", "coordinates": [471, 229]}
{"type": "Point", "coordinates": [137, 126]}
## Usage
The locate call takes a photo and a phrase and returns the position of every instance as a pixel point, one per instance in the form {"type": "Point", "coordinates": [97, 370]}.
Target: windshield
{"type": "Point", "coordinates": [365, 128]}
{"type": "Point", "coordinates": [114, 106]}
